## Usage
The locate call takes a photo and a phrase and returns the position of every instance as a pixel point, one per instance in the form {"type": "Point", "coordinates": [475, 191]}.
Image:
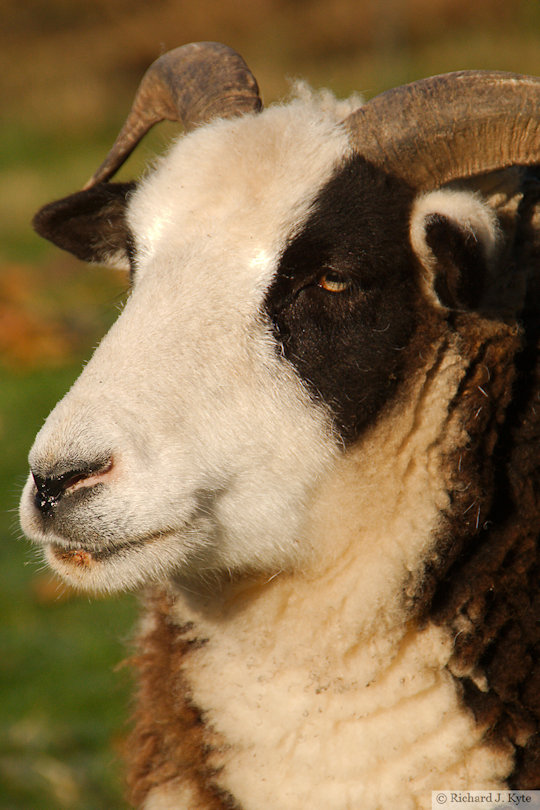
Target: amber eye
{"type": "Point", "coordinates": [334, 282]}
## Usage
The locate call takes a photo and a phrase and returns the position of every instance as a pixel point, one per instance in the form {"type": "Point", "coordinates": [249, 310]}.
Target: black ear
{"type": "Point", "coordinates": [455, 235]}
{"type": "Point", "coordinates": [460, 268]}
{"type": "Point", "coordinates": [90, 224]}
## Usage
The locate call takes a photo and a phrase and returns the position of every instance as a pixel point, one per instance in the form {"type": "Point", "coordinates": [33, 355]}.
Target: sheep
{"type": "Point", "coordinates": [311, 438]}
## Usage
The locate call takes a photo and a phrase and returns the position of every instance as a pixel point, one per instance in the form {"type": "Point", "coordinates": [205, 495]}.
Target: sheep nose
{"type": "Point", "coordinates": [50, 490]}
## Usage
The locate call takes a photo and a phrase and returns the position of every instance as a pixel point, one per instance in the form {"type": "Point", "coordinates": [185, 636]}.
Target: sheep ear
{"type": "Point", "coordinates": [455, 235]}
{"type": "Point", "coordinates": [91, 224]}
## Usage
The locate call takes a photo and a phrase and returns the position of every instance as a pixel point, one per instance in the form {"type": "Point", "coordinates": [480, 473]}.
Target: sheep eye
{"type": "Point", "coordinates": [334, 282]}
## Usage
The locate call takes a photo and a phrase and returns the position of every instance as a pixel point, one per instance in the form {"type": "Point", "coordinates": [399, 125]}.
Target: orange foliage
{"type": "Point", "coordinates": [27, 337]}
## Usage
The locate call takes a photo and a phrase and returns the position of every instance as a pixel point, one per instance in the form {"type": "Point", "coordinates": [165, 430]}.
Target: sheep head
{"type": "Point", "coordinates": [283, 267]}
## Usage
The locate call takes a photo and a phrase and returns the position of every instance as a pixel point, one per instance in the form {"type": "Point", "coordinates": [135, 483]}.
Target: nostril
{"type": "Point", "coordinates": [49, 490]}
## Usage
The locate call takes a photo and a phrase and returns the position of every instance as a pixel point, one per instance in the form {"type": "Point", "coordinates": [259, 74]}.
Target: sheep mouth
{"type": "Point", "coordinates": [125, 566]}
{"type": "Point", "coordinates": [80, 557]}
{"type": "Point", "coordinates": [109, 567]}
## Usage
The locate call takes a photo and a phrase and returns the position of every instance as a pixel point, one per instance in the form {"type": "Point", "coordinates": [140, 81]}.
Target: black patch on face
{"type": "Point", "coordinates": [90, 224]}
{"type": "Point", "coordinates": [348, 346]}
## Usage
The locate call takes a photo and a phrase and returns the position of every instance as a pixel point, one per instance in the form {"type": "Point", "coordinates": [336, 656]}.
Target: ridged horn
{"type": "Point", "coordinates": [191, 84]}
{"type": "Point", "coordinates": [451, 126]}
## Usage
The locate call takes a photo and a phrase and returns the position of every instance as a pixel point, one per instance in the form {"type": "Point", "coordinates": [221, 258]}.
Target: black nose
{"type": "Point", "coordinates": [51, 489]}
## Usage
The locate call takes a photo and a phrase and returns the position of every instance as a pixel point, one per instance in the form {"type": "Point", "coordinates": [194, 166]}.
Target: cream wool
{"type": "Point", "coordinates": [372, 718]}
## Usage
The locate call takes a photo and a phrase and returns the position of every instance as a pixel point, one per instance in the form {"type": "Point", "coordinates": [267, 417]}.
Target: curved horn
{"type": "Point", "coordinates": [191, 84]}
{"type": "Point", "coordinates": [451, 126]}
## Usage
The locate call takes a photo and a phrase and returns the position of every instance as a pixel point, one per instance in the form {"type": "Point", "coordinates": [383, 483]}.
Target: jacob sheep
{"type": "Point", "coordinates": [312, 436]}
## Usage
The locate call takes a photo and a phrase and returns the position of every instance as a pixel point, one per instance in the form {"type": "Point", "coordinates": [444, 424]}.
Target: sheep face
{"type": "Point", "coordinates": [205, 443]}
{"type": "Point", "coordinates": [271, 309]}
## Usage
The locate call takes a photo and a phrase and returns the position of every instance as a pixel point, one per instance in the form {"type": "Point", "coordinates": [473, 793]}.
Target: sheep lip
{"type": "Point", "coordinates": [81, 557]}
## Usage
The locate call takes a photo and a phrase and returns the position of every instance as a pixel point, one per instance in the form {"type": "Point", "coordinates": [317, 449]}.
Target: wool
{"type": "Point", "coordinates": [360, 660]}
{"type": "Point", "coordinates": [490, 591]}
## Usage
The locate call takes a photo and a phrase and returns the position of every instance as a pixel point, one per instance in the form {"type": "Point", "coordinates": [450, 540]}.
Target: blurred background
{"type": "Point", "coordinates": [68, 70]}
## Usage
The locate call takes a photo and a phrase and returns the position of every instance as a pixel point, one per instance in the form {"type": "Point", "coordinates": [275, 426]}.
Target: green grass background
{"type": "Point", "coordinates": [62, 702]}
{"type": "Point", "coordinates": [67, 73]}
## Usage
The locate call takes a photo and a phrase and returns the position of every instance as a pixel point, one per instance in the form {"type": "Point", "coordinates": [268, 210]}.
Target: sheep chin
{"type": "Point", "coordinates": [125, 567]}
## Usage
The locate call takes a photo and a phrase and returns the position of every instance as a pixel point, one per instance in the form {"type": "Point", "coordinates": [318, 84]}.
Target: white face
{"type": "Point", "coordinates": [207, 447]}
